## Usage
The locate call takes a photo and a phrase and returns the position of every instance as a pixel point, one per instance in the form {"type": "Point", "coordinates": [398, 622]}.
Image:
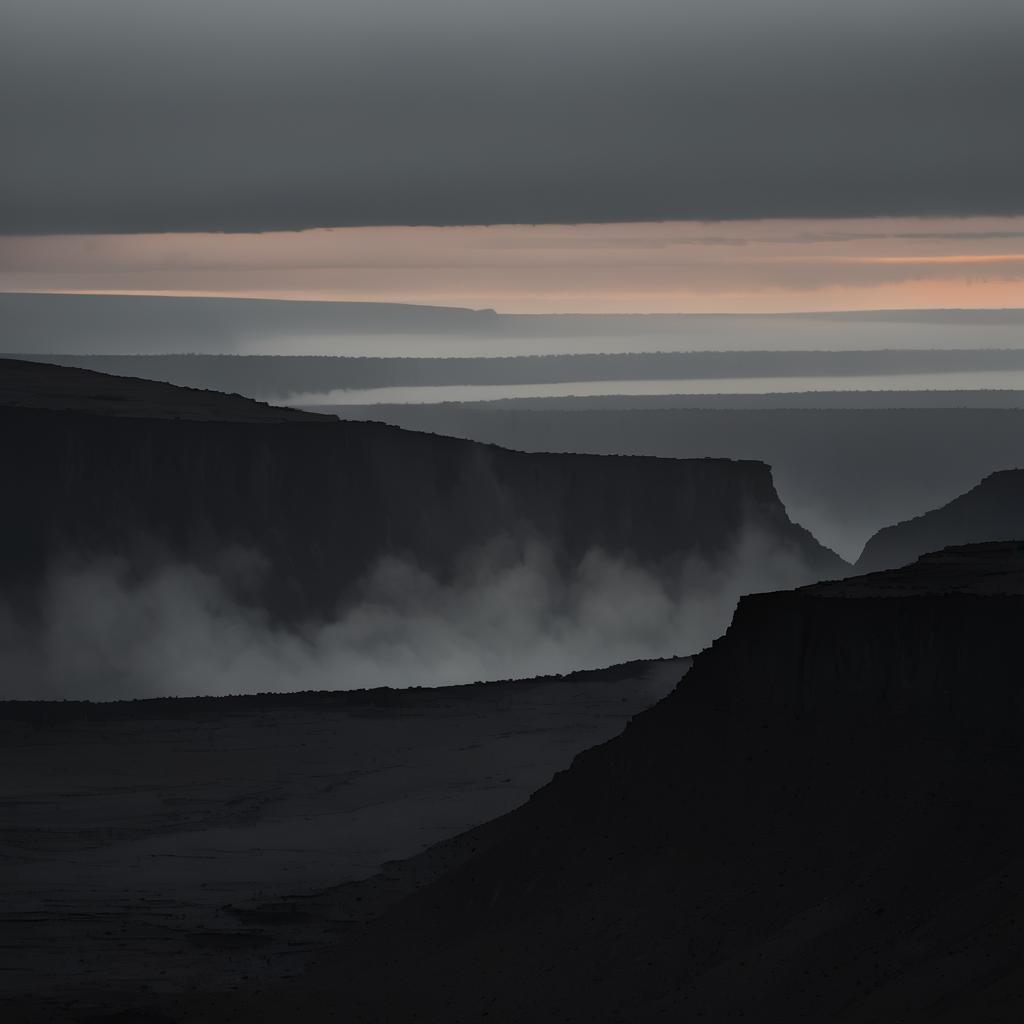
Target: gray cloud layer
{"type": "Point", "coordinates": [188, 115]}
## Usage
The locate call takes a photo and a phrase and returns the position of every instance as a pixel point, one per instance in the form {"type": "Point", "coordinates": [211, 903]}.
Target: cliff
{"type": "Point", "coordinates": [821, 822]}
{"type": "Point", "coordinates": [108, 467]}
{"type": "Point", "coordinates": [992, 511]}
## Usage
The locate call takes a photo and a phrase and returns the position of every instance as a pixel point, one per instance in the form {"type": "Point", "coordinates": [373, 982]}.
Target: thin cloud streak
{"type": "Point", "coordinates": [750, 266]}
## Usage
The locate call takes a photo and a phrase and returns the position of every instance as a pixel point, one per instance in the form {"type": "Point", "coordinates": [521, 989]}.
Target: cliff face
{"type": "Point", "coordinates": [820, 823]}
{"type": "Point", "coordinates": [321, 501]}
{"type": "Point", "coordinates": [992, 511]}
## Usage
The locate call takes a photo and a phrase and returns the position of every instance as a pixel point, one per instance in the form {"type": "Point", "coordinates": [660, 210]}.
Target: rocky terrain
{"type": "Point", "coordinates": [820, 823]}
{"type": "Point", "coordinates": [169, 845]}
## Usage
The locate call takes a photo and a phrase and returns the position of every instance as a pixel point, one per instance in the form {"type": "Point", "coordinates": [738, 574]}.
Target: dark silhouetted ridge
{"type": "Point", "coordinates": [30, 385]}
{"type": "Point", "coordinates": [992, 511]}
{"type": "Point", "coordinates": [320, 502]}
{"type": "Point", "coordinates": [820, 823]}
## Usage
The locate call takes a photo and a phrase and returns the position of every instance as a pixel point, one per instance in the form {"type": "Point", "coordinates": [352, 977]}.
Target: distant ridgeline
{"type": "Point", "coordinates": [992, 511]}
{"type": "Point", "coordinates": [152, 473]}
{"type": "Point", "coordinates": [126, 323]}
{"type": "Point", "coordinates": [275, 378]}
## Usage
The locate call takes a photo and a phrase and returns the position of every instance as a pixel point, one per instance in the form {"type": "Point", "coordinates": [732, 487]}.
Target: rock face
{"type": "Point", "coordinates": [992, 511]}
{"type": "Point", "coordinates": [321, 501]}
{"type": "Point", "coordinates": [820, 823]}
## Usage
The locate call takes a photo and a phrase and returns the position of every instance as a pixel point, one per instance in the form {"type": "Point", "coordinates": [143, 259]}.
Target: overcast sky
{"type": "Point", "coordinates": [244, 115]}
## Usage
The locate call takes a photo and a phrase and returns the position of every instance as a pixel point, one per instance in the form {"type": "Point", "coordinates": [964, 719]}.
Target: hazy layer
{"type": "Point", "coordinates": [106, 633]}
{"type": "Point", "coordinates": [148, 324]}
{"type": "Point", "coordinates": [697, 334]}
{"type": "Point", "coordinates": [983, 379]}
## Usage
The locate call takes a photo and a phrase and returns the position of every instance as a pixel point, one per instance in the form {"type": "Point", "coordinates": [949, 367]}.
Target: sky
{"type": "Point", "coordinates": [153, 115]}
{"type": "Point", "coordinates": [735, 266]}
{"type": "Point", "coordinates": [535, 156]}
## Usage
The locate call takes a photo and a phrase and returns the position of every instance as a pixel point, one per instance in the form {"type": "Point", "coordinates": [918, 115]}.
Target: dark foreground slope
{"type": "Point", "coordinates": [167, 845]}
{"type": "Point", "coordinates": [320, 502]}
{"type": "Point", "coordinates": [820, 823]}
{"type": "Point", "coordinates": [994, 510]}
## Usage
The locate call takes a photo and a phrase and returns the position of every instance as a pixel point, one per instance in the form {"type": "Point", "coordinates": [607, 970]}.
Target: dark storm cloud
{"type": "Point", "coordinates": [160, 115]}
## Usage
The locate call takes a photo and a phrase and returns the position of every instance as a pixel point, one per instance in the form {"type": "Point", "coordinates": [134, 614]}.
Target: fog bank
{"type": "Point", "coordinates": [106, 634]}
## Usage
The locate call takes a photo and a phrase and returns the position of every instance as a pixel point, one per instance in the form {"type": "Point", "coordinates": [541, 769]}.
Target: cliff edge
{"type": "Point", "coordinates": [821, 822]}
{"type": "Point", "coordinates": [153, 473]}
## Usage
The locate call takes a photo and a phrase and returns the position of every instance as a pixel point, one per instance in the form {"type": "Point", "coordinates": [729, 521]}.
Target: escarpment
{"type": "Point", "coordinates": [820, 822]}
{"type": "Point", "coordinates": [298, 508]}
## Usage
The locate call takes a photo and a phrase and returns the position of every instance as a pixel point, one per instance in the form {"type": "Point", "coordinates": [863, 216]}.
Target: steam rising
{"type": "Point", "coordinates": [105, 634]}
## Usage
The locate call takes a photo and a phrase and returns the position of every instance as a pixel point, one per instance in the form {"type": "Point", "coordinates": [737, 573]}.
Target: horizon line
{"type": "Point", "coordinates": [304, 300]}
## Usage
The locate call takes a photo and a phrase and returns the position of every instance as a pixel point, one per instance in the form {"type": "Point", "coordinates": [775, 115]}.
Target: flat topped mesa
{"type": "Point", "coordinates": [159, 475]}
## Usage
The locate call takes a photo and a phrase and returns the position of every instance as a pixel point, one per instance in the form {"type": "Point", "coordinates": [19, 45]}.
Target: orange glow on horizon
{"type": "Point", "coordinates": [666, 267]}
